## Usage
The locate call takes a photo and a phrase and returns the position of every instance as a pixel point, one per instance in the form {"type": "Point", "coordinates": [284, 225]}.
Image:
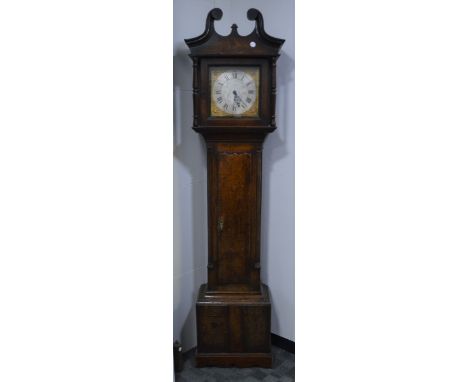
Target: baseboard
{"type": "Point", "coordinates": [282, 343]}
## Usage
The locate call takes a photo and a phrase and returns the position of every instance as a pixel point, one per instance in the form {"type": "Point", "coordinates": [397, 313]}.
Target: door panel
{"type": "Point", "coordinates": [234, 212]}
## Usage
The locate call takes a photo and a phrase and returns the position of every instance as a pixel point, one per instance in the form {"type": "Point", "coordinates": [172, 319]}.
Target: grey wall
{"type": "Point", "coordinates": [190, 221]}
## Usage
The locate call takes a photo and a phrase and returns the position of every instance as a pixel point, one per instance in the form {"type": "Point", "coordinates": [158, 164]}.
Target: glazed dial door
{"type": "Point", "coordinates": [234, 92]}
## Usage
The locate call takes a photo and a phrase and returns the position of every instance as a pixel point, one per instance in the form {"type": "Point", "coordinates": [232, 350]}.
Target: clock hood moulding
{"type": "Point", "coordinates": [257, 44]}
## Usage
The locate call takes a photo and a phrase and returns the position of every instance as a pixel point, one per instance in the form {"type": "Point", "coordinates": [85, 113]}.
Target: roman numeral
{"type": "Point", "coordinates": [251, 92]}
{"type": "Point", "coordinates": [233, 107]}
{"type": "Point", "coordinates": [234, 75]}
{"type": "Point", "coordinates": [248, 100]}
{"type": "Point", "coordinates": [218, 91]}
{"type": "Point", "coordinates": [225, 106]}
{"type": "Point", "coordinates": [219, 99]}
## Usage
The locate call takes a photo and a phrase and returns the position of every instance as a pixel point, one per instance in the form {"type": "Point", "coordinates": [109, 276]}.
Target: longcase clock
{"type": "Point", "coordinates": [234, 88]}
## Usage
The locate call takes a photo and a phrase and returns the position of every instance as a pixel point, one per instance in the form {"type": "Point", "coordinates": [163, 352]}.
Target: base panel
{"type": "Point", "coordinates": [233, 329]}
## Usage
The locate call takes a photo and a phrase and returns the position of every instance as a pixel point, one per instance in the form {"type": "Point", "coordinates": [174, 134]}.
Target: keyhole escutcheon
{"type": "Point", "coordinates": [220, 224]}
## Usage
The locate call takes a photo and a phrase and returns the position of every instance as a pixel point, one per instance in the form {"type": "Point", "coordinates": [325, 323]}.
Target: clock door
{"type": "Point", "coordinates": [235, 209]}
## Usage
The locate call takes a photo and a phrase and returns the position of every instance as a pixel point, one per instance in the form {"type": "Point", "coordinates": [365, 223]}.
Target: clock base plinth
{"type": "Point", "coordinates": [233, 329]}
{"type": "Point", "coordinates": [264, 360]}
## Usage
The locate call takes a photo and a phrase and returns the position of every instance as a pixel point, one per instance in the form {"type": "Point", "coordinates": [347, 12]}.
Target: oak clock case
{"type": "Point", "coordinates": [234, 91]}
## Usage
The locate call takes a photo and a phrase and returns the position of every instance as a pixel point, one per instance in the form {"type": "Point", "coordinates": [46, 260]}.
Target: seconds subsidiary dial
{"type": "Point", "coordinates": [234, 92]}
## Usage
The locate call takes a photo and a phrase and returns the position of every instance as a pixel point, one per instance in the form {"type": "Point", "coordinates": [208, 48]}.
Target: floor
{"type": "Point", "coordinates": [282, 371]}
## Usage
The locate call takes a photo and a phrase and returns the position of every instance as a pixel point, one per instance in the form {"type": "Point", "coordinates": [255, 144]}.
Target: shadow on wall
{"type": "Point", "coordinates": [190, 156]}
{"type": "Point", "coordinates": [275, 148]}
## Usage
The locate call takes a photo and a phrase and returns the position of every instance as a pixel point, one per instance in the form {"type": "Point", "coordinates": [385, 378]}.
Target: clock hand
{"type": "Point", "coordinates": [238, 99]}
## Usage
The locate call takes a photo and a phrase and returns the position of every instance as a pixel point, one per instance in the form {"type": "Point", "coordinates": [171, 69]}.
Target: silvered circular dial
{"type": "Point", "coordinates": [234, 92]}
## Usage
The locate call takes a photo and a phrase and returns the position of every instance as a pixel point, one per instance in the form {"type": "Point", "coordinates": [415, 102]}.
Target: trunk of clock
{"type": "Point", "coordinates": [234, 196]}
{"type": "Point", "coordinates": [233, 308]}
